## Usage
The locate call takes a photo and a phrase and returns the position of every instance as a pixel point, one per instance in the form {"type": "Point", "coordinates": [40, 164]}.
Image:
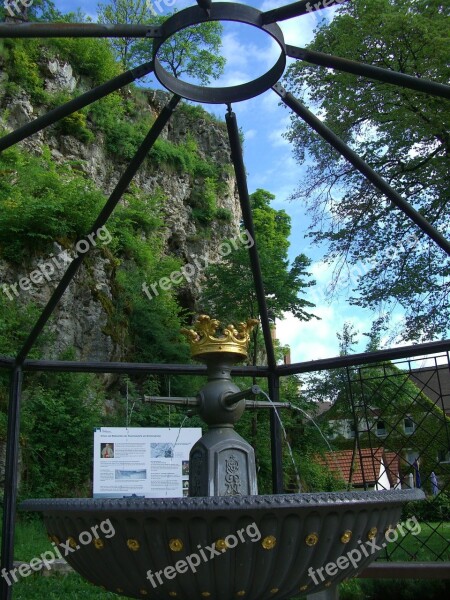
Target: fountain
{"type": "Point", "coordinates": [224, 541]}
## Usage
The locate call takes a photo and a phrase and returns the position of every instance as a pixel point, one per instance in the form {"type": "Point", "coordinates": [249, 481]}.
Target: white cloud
{"type": "Point", "coordinates": [250, 134]}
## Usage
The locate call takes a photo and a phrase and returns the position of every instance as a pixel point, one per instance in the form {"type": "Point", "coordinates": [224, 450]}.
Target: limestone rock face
{"type": "Point", "coordinates": [80, 318]}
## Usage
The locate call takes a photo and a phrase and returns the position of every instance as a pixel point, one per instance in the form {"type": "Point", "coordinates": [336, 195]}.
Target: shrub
{"type": "Point", "coordinates": [75, 124]}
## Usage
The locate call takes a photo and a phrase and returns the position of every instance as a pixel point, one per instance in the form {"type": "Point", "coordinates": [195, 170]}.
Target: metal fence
{"type": "Point", "coordinates": [389, 427]}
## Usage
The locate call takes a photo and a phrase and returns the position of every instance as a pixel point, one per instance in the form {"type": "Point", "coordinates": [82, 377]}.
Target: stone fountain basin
{"type": "Point", "coordinates": [299, 533]}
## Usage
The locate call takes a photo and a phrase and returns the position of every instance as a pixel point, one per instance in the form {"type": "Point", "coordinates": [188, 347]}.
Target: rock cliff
{"type": "Point", "coordinates": [80, 321]}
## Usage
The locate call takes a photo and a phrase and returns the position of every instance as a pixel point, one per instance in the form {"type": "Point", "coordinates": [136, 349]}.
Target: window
{"type": "Point", "coordinates": [351, 429]}
{"type": "Point", "coordinates": [409, 425]}
{"type": "Point", "coordinates": [381, 428]}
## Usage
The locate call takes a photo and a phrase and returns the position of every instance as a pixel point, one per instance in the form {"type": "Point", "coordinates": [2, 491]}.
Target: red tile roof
{"type": "Point", "coordinates": [340, 462]}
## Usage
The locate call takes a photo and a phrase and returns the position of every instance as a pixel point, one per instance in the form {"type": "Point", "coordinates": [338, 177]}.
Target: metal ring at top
{"type": "Point", "coordinates": [221, 11]}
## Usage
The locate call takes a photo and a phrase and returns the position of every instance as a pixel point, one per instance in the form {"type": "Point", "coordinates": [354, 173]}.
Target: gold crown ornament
{"type": "Point", "coordinates": [202, 338]}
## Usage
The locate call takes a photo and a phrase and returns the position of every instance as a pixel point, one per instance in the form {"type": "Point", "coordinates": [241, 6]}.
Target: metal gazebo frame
{"type": "Point", "coordinates": [265, 21]}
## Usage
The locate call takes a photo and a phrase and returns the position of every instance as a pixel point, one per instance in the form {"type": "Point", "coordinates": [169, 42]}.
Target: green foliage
{"type": "Point", "coordinates": [401, 134]}
{"type": "Point", "coordinates": [435, 509]}
{"type": "Point", "coordinates": [60, 412]}
{"type": "Point", "coordinates": [88, 56]}
{"type": "Point", "coordinates": [123, 138]}
{"type": "Point", "coordinates": [15, 323]}
{"type": "Point", "coordinates": [283, 283]}
{"type": "Point", "coordinates": [223, 214]}
{"type": "Point", "coordinates": [121, 12]}
{"type": "Point", "coordinates": [41, 202]}
{"type": "Point", "coordinates": [76, 125]}
{"type": "Point", "coordinates": [203, 202]}
{"type": "Point", "coordinates": [20, 63]}
{"type": "Point", "coordinates": [402, 589]}
{"type": "Point", "coordinates": [193, 52]}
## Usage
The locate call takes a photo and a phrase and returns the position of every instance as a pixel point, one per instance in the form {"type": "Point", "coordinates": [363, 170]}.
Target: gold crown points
{"type": "Point", "coordinates": [203, 339]}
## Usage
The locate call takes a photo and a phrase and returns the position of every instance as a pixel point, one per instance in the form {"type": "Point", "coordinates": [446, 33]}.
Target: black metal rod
{"type": "Point", "coordinates": [77, 30]}
{"type": "Point", "coordinates": [58, 366]}
{"type": "Point", "coordinates": [6, 363]}
{"type": "Point", "coordinates": [296, 9]}
{"type": "Point", "coordinates": [11, 479]}
{"type": "Point", "coordinates": [231, 399]}
{"type": "Point", "coordinates": [73, 105]}
{"type": "Point", "coordinates": [362, 167]}
{"type": "Point", "coordinates": [241, 179]}
{"type": "Point", "coordinates": [255, 404]}
{"type": "Point", "coordinates": [114, 198]}
{"type": "Point", "coordinates": [363, 358]}
{"type": "Point", "coordinates": [275, 438]}
{"type": "Point", "coordinates": [357, 68]}
{"type": "Point", "coordinates": [178, 400]}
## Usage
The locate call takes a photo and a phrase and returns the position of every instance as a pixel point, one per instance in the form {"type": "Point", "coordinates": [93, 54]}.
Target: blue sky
{"type": "Point", "coordinates": [270, 165]}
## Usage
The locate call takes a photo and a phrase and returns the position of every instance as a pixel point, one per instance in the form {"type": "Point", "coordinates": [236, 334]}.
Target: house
{"type": "Point", "coordinates": [370, 469]}
{"type": "Point", "coordinates": [434, 382]}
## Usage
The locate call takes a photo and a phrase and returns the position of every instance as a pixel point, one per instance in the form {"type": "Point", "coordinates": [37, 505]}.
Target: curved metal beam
{"type": "Point", "coordinates": [359, 164]}
{"type": "Point", "coordinates": [357, 68]}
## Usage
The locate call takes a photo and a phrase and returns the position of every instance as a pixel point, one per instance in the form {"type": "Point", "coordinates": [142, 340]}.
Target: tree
{"type": "Point", "coordinates": [193, 52]}
{"type": "Point", "coordinates": [404, 136]}
{"type": "Point", "coordinates": [229, 290]}
{"type": "Point", "coordinates": [126, 12]}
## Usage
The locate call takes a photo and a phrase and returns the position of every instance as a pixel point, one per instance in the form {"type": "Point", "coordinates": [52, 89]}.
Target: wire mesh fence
{"type": "Point", "coordinates": [388, 424]}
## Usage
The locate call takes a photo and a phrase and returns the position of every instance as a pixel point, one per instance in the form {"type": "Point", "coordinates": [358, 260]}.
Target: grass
{"type": "Point", "coordinates": [431, 544]}
{"type": "Point", "coordinates": [31, 540]}
{"type": "Point", "coordinates": [72, 587]}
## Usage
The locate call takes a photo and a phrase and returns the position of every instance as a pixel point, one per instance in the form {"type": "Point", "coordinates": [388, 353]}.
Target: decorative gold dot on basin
{"type": "Point", "coordinates": [372, 533]}
{"type": "Point", "coordinates": [274, 590]}
{"type": "Point", "coordinates": [240, 593]}
{"type": "Point", "coordinates": [54, 538]}
{"type": "Point", "coordinates": [119, 590]}
{"type": "Point", "coordinates": [99, 544]}
{"type": "Point", "coordinates": [346, 536]}
{"type": "Point", "coordinates": [133, 545]}
{"type": "Point", "coordinates": [143, 592]}
{"type": "Point", "coordinates": [173, 594]}
{"type": "Point", "coordinates": [221, 544]}
{"type": "Point", "coordinates": [176, 545]}
{"type": "Point", "coordinates": [269, 542]}
{"type": "Point", "coordinates": [206, 594]}
{"type": "Point", "coordinates": [327, 584]}
{"type": "Point", "coordinates": [303, 588]}
{"type": "Point", "coordinates": [72, 542]}
{"type": "Point", "coordinates": [312, 539]}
